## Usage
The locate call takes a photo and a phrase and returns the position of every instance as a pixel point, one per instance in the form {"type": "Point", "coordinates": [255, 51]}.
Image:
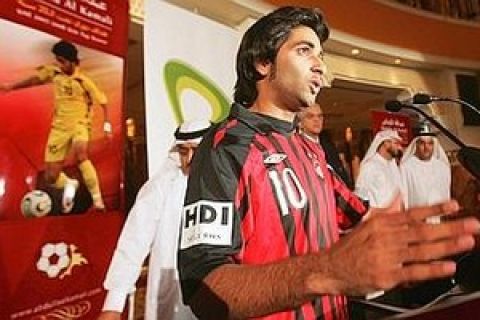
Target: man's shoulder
{"type": "Point", "coordinates": [170, 168]}
{"type": "Point", "coordinates": [409, 162]}
{"type": "Point", "coordinates": [166, 174]}
{"type": "Point", "coordinates": [48, 66]}
{"type": "Point", "coordinates": [48, 69]}
{"type": "Point", "coordinates": [230, 133]}
{"type": "Point", "coordinates": [371, 164]}
{"type": "Point", "coordinates": [82, 76]}
{"type": "Point", "coordinates": [373, 169]}
{"type": "Point", "coordinates": [443, 166]}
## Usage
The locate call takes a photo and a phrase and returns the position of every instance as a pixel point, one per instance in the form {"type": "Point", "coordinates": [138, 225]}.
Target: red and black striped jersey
{"type": "Point", "coordinates": [258, 192]}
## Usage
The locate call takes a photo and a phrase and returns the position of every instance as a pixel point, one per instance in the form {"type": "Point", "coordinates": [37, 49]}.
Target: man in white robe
{"type": "Point", "coordinates": [152, 227]}
{"type": "Point", "coordinates": [426, 170]}
{"type": "Point", "coordinates": [379, 180]}
{"type": "Point", "coordinates": [426, 174]}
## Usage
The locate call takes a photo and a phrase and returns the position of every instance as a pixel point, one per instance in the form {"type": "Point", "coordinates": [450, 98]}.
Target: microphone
{"type": "Point", "coordinates": [468, 156]}
{"type": "Point", "coordinates": [423, 98]}
{"type": "Point", "coordinates": [396, 106]}
{"type": "Point", "coordinates": [393, 105]}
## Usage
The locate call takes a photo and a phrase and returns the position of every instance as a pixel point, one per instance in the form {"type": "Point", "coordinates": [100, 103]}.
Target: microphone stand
{"type": "Point", "coordinates": [437, 124]}
{"type": "Point", "coordinates": [459, 101]}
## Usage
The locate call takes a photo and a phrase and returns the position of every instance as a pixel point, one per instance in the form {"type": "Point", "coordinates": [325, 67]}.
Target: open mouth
{"type": "Point", "coordinates": [315, 86]}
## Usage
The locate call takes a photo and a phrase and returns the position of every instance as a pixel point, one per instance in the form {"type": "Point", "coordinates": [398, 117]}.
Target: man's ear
{"type": "Point", "coordinates": [263, 67]}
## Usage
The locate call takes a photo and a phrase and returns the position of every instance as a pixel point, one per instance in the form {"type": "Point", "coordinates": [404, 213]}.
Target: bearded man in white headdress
{"type": "Point", "coordinates": [379, 180]}
{"type": "Point", "coordinates": [152, 227]}
{"type": "Point", "coordinates": [426, 170]}
{"type": "Point", "coordinates": [426, 175]}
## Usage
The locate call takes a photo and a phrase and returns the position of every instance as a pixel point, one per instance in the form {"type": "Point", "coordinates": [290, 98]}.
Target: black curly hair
{"type": "Point", "coordinates": [66, 50]}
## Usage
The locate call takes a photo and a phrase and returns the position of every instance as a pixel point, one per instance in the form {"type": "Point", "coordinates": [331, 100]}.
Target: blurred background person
{"type": "Point", "coordinates": [426, 170]}
{"type": "Point", "coordinates": [426, 174]}
{"type": "Point", "coordinates": [465, 189]}
{"type": "Point", "coordinates": [152, 228]}
{"type": "Point", "coordinates": [310, 124]}
{"type": "Point", "coordinates": [379, 179]}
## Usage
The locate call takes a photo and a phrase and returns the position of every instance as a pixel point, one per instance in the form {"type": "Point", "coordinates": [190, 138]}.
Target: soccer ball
{"type": "Point", "coordinates": [36, 203]}
{"type": "Point", "coordinates": [51, 266]}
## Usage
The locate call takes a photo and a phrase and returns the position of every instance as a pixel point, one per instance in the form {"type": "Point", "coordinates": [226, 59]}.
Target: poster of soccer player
{"type": "Point", "coordinates": [61, 153]}
{"type": "Point", "coordinates": [61, 92]}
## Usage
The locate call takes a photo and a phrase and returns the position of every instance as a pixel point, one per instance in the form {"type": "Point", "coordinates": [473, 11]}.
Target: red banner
{"type": "Point", "coordinates": [99, 24]}
{"type": "Point", "coordinates": [386, 120]}
{"type": "Point", "coordinates": [53, 268]}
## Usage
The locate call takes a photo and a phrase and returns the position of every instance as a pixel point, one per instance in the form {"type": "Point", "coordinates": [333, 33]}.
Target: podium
{"type": "Point", "coordinates": [460, 306]}
{"type": "Point", "coordinates": [455, 305]}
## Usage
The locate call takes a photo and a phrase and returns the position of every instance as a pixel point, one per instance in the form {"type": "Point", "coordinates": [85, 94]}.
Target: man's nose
{"type": "Point", "coordinates": [321, 68]}
{"type": "Point", "coordinates": [319, 65]}
{"type": "Point", "coordinates": [189, 156]}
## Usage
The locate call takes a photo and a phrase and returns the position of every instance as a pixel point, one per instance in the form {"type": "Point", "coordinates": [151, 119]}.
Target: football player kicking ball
{"type": "Point", "coordinates": [74, 95]}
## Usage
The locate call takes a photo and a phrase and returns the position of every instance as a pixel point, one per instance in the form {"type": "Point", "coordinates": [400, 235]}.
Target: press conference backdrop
{"type": "Point", "coordinates": [189, 73]}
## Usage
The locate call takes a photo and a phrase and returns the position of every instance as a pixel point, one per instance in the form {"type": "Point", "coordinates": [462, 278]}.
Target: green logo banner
{"type": "Point", "coordinates": [180, 76]}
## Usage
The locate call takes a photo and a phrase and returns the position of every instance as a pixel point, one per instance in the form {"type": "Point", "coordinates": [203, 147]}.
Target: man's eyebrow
{"type": "Point", "coordinates": [305, 42]}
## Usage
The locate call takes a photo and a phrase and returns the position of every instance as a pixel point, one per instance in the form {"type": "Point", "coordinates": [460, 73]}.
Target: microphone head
{"type": "Point", "coordinates": [421, 98]}
{"type": "Point", "coordinates": [393, 105]}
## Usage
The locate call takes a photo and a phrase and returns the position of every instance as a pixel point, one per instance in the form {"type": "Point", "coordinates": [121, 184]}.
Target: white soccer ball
{"type": "Point", "coordinates": [51, 265]}
{"type": "Point", "coordinates": [36, 203]}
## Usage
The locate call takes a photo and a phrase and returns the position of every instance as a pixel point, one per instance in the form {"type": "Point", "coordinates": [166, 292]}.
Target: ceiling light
{"type": "Point", "coordinates": [398, 61]}
{"type": "Point", "coordinates": [355, 52]}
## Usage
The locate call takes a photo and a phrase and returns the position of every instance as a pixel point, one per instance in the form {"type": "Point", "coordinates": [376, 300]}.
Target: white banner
{"type": "Point", "coordinates": [189, 73]}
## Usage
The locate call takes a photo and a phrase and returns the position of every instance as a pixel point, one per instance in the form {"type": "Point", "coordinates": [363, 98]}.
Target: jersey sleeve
{"type": "Point", "coordinates": [46, 72]}
{"type": "Point", "coordinates": [349, 207]}
{"type": "Point", "coordinates": [211, 231]}
{"type": "Point", "coordinates": [97, 96]}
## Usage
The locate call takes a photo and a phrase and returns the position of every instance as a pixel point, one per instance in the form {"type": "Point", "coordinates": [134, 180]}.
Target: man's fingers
{"type": "Point", "coordinates": [427, 271]}
{"type": "Point", "coordinates": [419, 232]}
{"type": "Point", "coordinates": [430, 251]}
{"type": "Point", "coordinates": [444, 208]}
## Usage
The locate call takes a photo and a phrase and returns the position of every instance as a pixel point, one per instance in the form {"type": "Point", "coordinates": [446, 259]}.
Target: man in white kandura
{"type": "Point", "coordinates": [426, 170]}
{"type": "Point", "coordinates": [379, 180]}
{"type": "Point", "coordinates": [152, 227]}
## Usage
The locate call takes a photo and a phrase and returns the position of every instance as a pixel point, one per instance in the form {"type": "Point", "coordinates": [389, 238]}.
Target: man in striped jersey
{"type": "Point", "coordinates": [259, 233]}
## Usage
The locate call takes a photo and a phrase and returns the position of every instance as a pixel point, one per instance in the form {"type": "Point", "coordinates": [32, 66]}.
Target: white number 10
{"type": "Point", "coordinates": [294, 193]}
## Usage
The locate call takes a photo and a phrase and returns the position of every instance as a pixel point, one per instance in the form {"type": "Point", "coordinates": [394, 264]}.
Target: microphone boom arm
{"type": "Point", "coordinates": [464, 103]}
{"type": "Point", "coordinates": [438, 125]}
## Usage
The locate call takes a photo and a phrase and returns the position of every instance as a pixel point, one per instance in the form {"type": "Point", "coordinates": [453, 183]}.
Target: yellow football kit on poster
{"type": "Point", "coordinates": [74, 96]}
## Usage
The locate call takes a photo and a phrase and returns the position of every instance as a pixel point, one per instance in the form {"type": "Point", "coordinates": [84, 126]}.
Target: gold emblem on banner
{"type": "Point", "coordinates": [76, 260]}
{"type": "Point", "coordinates": [58, 259]}
{"type": "Point", "coordinates": [68, 312]}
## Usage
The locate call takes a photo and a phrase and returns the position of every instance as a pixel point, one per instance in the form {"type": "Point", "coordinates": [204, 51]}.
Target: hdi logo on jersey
{"type": "Point", "coordinates": [207, 222]}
